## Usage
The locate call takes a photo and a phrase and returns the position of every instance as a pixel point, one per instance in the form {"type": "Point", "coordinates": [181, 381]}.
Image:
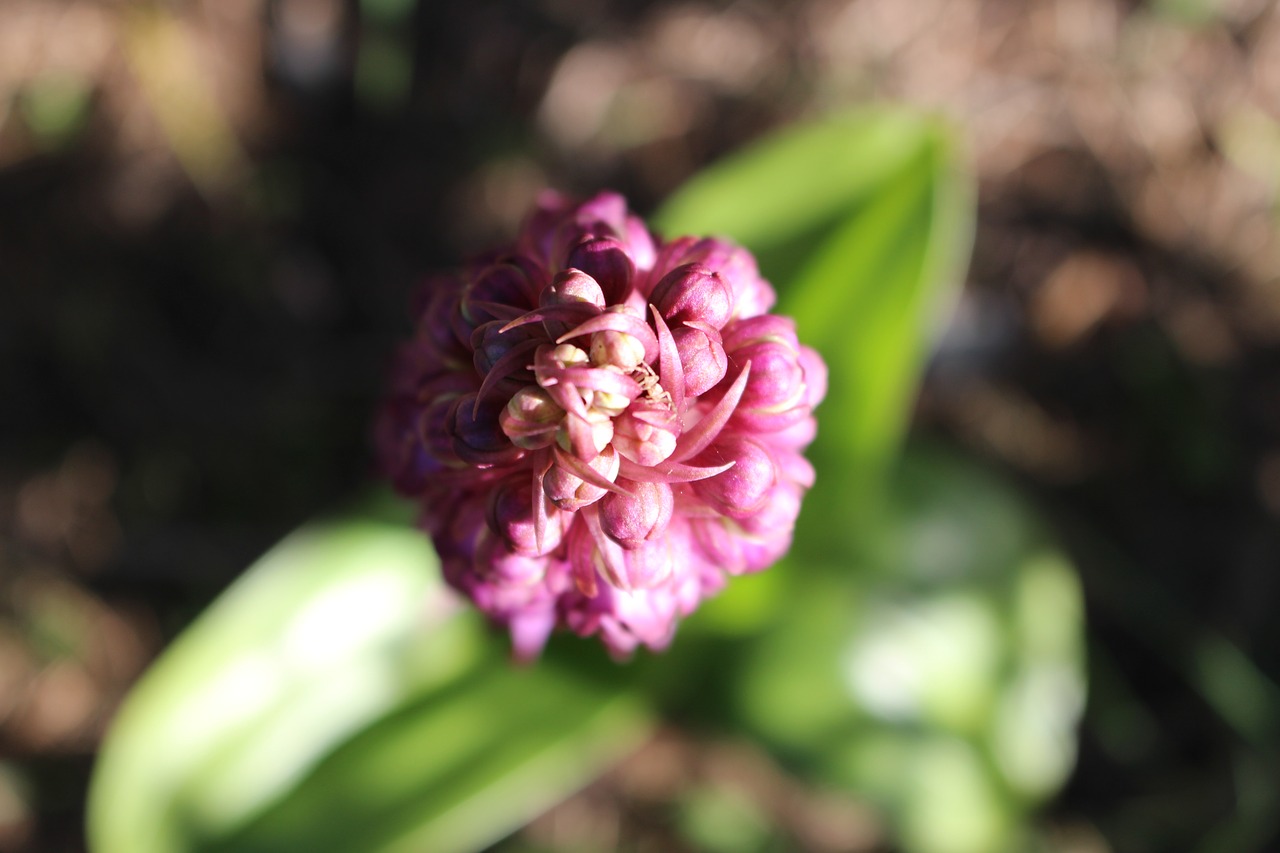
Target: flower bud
{"type": "Point", "coordinates": [752, 295]}
{"type": "Point", "coordinates": [530, 418]}
{"type": "Point", "coordinates": [537, 232]}
{"type": "Point", "coordinates": [743, 489]}
{"type": "Point", "coordinates": [603, 213]}
{"type": "Point", "coordinates": [693, 293]}
{"type": "Point", "coordinates": [570, 492]}
{"type": "Point", "coordinates": [646, 432]}
{"type": "Point", "coordinates": [401, 453]}
{"type": "Point", "coordinates": [633, 519]}
{"type": "Point", "coordinates": [702, 356]}
{"type": "Point", "coordinates": [441, 296]}
{"type": "Point", "coordinates": [616, 349]}
{"type": "Point", "coordinates": [769, 530]}
{"type": "Point", "coordinates": [815, 376]}
{"type": "Point", "coordinates": [500, 284]}
{"type": "Point", "coordinates": [606, 403]}
{"type": "Point", "coordinates": [567, 355]}
{"type": "Point", "coordinates": [641, 568]}
{"type": "Point", "coordinates": [721, 543]}
{"type": "Point", "coordinates": [435, 423]}
{"type": "Point", "coordinates": [775, 396]}
{"type": "Point", "coordinates": [570, 289]}
{"type": "Point", "coordinates": [511, 516]}
{"type": "Point", "coordinates": [496, 563]}
{"type": "Point", "coordinates": [585, 436]}
{"type": "Point", "coordinates": [477, 435]}
{"type": "Point", "coordinates": [606, 260]}
{"type": "Point", "coordinates": [492, 344]}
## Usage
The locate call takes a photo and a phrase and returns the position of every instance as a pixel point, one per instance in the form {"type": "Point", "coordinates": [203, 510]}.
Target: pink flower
{"type": "Point", "coordinates": [599, 427]}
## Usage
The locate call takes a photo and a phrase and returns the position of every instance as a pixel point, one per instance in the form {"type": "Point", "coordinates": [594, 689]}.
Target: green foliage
{"type": "Point", "coordinates": [338, 698]}
{"type": "Point", "coordinates": [939, 672]}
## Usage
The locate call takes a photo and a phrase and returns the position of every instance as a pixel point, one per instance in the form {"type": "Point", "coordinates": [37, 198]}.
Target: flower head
{"type": "Point", "coordinates": [600, 427]}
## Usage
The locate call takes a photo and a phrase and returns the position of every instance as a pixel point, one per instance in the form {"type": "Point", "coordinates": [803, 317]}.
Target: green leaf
{"type": "Point", "coordinates": [796, 183]}
{"type": "Point", "coordinates": [338, 698]}
{"type": "Point", "coordinates": [939, 671]}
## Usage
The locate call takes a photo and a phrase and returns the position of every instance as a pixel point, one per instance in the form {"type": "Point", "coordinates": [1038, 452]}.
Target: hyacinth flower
{"type": "Point", "coordinates": [600, 427]}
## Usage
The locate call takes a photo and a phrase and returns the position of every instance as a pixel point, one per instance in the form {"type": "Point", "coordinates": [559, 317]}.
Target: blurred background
{"type": "Point", "coordinates": [211, 214]}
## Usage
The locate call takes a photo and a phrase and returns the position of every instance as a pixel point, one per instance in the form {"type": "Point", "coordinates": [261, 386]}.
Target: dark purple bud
{"type": "Point", "coordinates": [501, 292]}
{"type": "Point", "coordinates": [641, 516]}
{"type": "Point", "coordinates": [693, 293]}
{"type": "Point", "coordinates": [492, 345]}
{"type": "Point", "coordinates": [402, 456]}
{"type": "Point", "coordinates": [606, 260]}
{"type": "Point", "coordinates": [539, 228]}
{"type": "Point", "coordinates": [435, 429]}
{"type": "Point", "coordinates": [435, 424]}
{"type": "Point", "coordinates": [743, 489]}
{"type": "Point", "coordinates": [477, 434]}
{"type": "Point", "coordinates": [440, 296]}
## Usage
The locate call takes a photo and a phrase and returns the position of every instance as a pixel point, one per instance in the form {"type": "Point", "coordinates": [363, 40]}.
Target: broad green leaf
{"type": "Point", "coordinates": [939, 671]}
{"type": "Point", "coordinates": [795, 185]}
{"type": "Point", "coordinates": [338, 698]}
{"type": "Point", "coordinates": [871, 297]}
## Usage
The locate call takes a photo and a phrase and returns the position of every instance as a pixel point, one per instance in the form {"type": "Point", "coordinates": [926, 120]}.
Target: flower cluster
{"type": "Point", "coordinates": [600, 427]}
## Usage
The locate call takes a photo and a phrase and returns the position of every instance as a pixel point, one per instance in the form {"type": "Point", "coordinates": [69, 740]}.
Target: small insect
{"type": "Point", "coordinates": [650, 386]}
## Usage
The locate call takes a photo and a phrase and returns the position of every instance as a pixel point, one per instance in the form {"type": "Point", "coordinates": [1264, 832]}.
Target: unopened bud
{"type": "Point", "coordinates": [606, 260]}
{"type": "Point", "coordinates": [530, 418]}
{"type": "Point", "coordinates": [585, 437]}
{"type": "Point", "coordinates": [499, 284]}
{"type": "Point", "coordinates": [703, 358]}
{"type": "Point", "coordinates": [743, 489]}
{"type": "Point", "coordinates": [639, 517]}
{"type": "Point", "coordinates": [477, 436]}
{"type": "Point", "coordinates": [646, 432]}
{"type": "Point", "coordinates": [570, 492]}
{"type": "Point", "coordinates": [567, 355]}
{"type": "Point", "coordinates": [511, 517]}
{"type": "Point", "coordinates": [693, 293]}
{"type": "Point", "coordinates": [616, 349]}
